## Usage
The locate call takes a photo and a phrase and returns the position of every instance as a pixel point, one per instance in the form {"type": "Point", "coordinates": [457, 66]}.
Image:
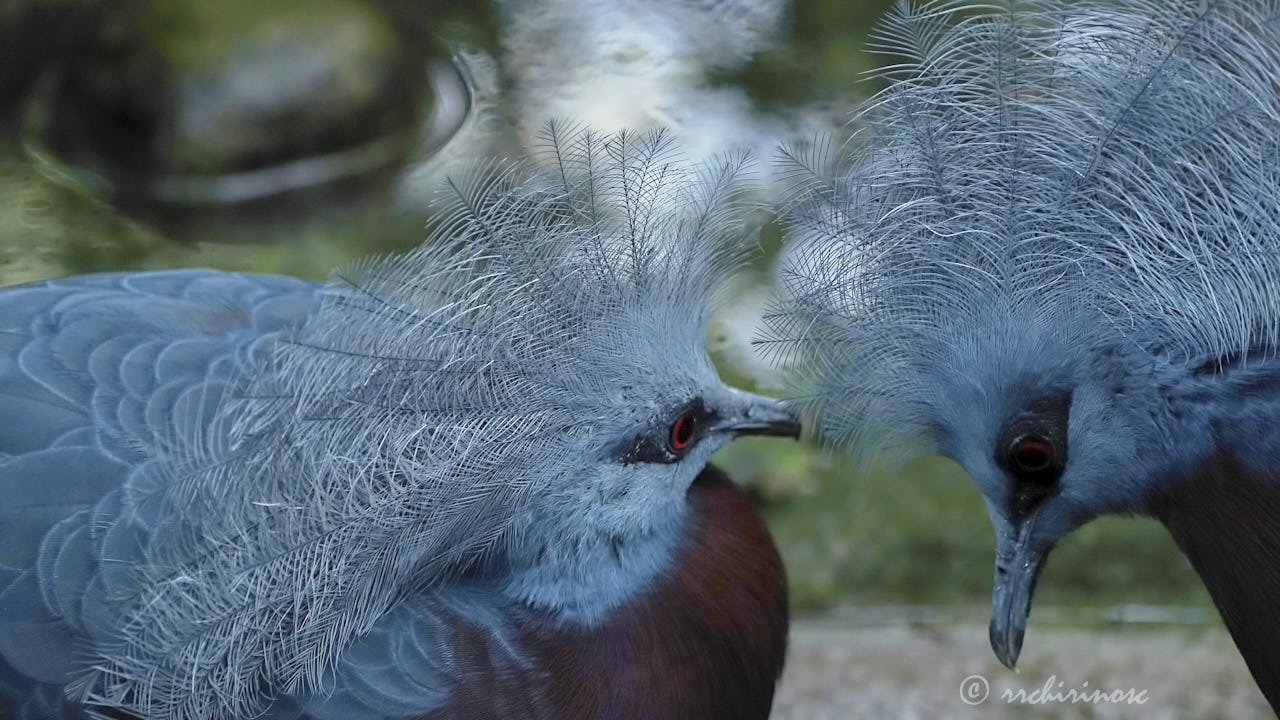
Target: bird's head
{"type": "Point", "coordinates": [1055, 429]}
{"type": "Point", "coordinates": [1054, 230]}
{"type": "Point", "coordinates": [612, 518]}
{"type": "Point", "coordinates": [537, 372]}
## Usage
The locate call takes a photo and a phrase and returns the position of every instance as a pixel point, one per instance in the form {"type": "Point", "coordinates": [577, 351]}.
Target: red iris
{"type": "Point", "coordinates": [1031, 455]}
{"type": "Point", "coordinates": [682, 432]}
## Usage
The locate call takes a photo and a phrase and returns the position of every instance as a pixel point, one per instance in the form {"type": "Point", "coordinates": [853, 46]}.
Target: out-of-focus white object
{"type": "Point", "coordinates": [470, 102]}
{"type": "Point", "coordinates": [622, 64]}
{"type": "Point", "coordinates": [615, 64]}
{"type": "Point", "coordinates": [612, 65]}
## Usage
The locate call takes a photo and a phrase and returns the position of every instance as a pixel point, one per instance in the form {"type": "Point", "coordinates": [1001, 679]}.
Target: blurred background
{"type": "Point", "coordinates": [293, 137]}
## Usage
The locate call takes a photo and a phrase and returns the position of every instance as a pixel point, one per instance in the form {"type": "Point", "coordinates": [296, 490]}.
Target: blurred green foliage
{"type": "Point", "coordinates": [914, 534]}
{"type": "Point", "coordinates": [825, 56]}
{"type": "Point", "coordinates": [919, 534]}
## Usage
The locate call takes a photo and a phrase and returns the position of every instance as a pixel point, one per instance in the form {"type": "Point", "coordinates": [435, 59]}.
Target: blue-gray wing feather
{"type": "Point", "coordinates": [94, 372]}
{"type": "Point", "coordinates": [416, 653]}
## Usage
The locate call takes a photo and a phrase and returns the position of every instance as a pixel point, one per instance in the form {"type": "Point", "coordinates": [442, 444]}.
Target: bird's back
{"type": "Point", "coordinates": [96, 374]}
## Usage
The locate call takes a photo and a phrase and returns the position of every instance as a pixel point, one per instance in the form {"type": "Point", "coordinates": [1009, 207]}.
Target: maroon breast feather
{"type": "Point", "coordinates": [706, 641]}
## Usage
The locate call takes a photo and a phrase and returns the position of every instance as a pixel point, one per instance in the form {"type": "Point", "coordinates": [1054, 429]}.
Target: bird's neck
{"type": "Point", "coordinates": [1226, 520]}
{"type": "Point", "coordinates": [577, 573]}
{"type": "Point", "coordinates": [706, 639]}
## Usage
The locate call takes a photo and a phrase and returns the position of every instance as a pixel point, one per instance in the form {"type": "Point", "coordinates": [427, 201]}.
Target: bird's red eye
{"type": "Point", "coordinates": [682, 432]}
{"type": "Point", "coordinates": [1031, 455]}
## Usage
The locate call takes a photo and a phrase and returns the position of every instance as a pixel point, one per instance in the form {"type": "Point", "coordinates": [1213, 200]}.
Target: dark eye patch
{"type": "Point", "coordinates": [1032, 449]}
{"type": "Point", "coordinates": [673, 434]}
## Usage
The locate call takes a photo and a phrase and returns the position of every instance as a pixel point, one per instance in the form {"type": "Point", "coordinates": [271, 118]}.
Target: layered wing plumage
{"type": "Point", "coordinates": [96, 373]}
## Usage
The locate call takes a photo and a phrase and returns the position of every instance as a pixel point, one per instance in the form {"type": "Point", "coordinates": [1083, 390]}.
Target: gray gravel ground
{"type": "Point", "coordinates": [841, 671]}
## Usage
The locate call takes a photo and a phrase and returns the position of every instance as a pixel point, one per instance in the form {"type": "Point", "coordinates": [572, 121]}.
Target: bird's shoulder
{"type": "Point", "coordinates": [445, 653]}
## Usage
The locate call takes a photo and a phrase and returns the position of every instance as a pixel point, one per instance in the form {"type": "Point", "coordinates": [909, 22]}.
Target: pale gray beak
{"type": "Point", "coordinates": [757, 415]}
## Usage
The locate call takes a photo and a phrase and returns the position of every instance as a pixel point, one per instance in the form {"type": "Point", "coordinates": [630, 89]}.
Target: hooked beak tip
{"type": "Point", "coordinates": [1006, 643]}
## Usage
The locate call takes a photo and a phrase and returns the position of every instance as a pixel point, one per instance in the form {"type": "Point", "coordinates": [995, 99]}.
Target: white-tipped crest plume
{"type": "Point", "coordinates": [1084, 173]}
{"type": "Point", "coordinates": [423, 419]}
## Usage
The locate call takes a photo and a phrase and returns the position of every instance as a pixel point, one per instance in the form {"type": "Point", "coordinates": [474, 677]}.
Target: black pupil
{"type": "Point", "coordinates": [1031, 455]}
{"type": "Point", "coordinates": [682, 432]}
